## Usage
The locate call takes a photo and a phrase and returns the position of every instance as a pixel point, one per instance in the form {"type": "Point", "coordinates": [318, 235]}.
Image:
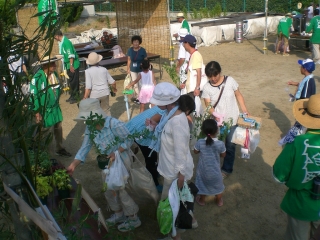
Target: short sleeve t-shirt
{"type": "Point", "coordinates": [196, 62]}
{"type": "Point", "coordinates": [185, 24]}
{"type": "Point", "coordinates": [98, 80]}
{"type": "Point", "coordinates": [315, 28]}
{"type": "Point", "coordinates": [136, 58]}
{"type": "Point", "coordinates": [308, 89]}
{"type": "Point", "coordinates": [228, 103]}
{"type": "Point", "coordinates": [284, 26]}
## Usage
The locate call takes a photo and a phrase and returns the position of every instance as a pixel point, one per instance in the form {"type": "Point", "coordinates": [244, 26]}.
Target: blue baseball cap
{"type": "Point", "coordinates": [190, 39]}
{"type": "Point", "coordinates": [307, 64]}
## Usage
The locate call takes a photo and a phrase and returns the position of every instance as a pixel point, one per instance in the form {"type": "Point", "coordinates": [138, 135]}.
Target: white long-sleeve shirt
{"type": "Point", "coordinates": [174, 155]}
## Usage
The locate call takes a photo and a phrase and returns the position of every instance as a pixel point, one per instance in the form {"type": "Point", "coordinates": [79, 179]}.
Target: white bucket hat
{"type": "Point", "coordinates": [183, 32]}
{"type": "Point", "coordinates": [93, 58]}
{"type": "Point", "coordinates": [87, 106]}
{"type": "Point", "coordinates": [164, 94]}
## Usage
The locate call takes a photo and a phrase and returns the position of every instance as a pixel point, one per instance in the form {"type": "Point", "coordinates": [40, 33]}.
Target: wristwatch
{"type": "Point", "coordinates": [198, 88]}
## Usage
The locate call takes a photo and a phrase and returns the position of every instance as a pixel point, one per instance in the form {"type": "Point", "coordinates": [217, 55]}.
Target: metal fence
{"type": "Point", "coordinates": [194, 6]}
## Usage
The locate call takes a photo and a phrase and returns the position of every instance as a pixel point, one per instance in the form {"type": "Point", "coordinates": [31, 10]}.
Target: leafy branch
{"type": "Point", "coordinates": [171, 70]}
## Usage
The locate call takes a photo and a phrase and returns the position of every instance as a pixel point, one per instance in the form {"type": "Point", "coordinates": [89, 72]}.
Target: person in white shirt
{"type": "Point", "coordinates": [310, 11]}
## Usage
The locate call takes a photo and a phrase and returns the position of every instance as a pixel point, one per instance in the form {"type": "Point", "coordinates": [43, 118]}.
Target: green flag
{"type": "Point", "coordinates": [47, 6]}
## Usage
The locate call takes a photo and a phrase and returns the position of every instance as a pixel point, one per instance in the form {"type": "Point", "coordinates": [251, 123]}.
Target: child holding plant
{"type": "Point", "coordinates": [208, 175]}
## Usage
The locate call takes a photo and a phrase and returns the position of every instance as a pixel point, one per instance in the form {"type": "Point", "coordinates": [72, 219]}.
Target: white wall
{"type": "Point", "coordinates": [88, 11]}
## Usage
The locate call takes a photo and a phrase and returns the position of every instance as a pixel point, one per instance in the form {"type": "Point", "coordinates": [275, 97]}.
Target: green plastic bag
{"type": "Point", "coordinates": [164, 216]}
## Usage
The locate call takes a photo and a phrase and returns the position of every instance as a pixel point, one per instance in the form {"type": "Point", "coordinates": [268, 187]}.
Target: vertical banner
{"type": "Point", "coordinates": [47, 7]}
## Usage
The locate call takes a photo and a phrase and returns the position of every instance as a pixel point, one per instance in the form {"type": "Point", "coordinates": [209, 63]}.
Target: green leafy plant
{"type": "Point", "coordinates": [44, 187]}
{"type": "Point", "coordinates": [185, 12]}
{"type": "Point", "coordinates": [198, 120]}
{"type": "Point", "coordinates": [217, 10]}
{"type": "Point", "coordinates": [61, 179]}
{"type": "Point", "coordinates": [108, 22]}
{"type": "Point", "coordinates": [171, 70]}
{"type": "Point", "coordinates": [204, 12]}
{"type": "Point", "coordinates": [96, 121]}
{"type": "Point", "coordinates": [195, 13]}
{"type": "Point", "coordinates": [65, 26]}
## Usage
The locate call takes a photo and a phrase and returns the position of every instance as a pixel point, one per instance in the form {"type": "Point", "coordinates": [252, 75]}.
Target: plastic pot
{"type": "Point", "coordinates": [64, 193]}
{"type": "Point", "coordinates": [103, 161]}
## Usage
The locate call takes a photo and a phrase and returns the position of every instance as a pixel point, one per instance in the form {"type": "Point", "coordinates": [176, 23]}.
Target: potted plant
{"type": "Point", "coordinates": [103, 161]}
{"type": "Point", "coordinates": [62, 181]}
{"type": "Point", "coordinates": [43, 188]}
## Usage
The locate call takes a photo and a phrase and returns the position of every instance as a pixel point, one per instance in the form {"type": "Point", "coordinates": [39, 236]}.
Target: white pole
{"type": "Point", "coordinates": [265, 38]}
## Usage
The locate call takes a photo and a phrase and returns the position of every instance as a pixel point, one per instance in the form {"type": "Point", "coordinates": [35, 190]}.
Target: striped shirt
{"type": "Point", "coordinates": [112, 128]}
{"type": "Point", "coordinates": [137, 124]}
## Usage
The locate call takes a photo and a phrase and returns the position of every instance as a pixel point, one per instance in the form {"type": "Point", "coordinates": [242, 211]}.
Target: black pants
{"type": "Point", "coordinates": [73, 83]}
{"type": "Point", "coordinates": [151, 162]}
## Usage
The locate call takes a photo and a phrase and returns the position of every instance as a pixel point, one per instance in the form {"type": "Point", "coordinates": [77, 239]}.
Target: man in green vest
{"type": "Point", "coordinates": [298, 167]}
{"type": "Point", "coordinates": [44, 94]}
{"type": "Point", "coordinates": [284, 33]}
{"type": "Point", "coordinates": [71, 64]}
{"type": "Point", "coordinates": [314, 27]}
{"type": "Point", "coordinates": [184, 24]}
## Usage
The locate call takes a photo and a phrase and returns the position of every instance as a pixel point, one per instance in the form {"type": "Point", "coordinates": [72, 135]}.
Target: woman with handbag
{"type": "Point", "coordinates": [222, 94]}
{"type": "Point", "coordinates": [109, 129]}
{"type": "Point", "coordinates": [175, 160]}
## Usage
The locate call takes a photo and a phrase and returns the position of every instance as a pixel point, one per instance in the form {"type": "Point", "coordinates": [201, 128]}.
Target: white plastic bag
{"type": "Point", "coordinates": [199, 109]}
{"type": "Point", "coordinates": [127, 81]}
{"type": "Point", "coordinates": [239, 136]}
{"type": "Point", "coordinates": [117, 175]}
{"type": "Point", "coordinates": [254, 139]}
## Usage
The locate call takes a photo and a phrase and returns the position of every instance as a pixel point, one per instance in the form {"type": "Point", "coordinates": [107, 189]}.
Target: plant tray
{"type": "Point", "coordinates": [256, 125]}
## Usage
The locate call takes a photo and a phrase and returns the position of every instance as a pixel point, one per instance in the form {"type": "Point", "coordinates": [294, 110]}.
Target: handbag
{"type": "Point", "coordinates": [140, 182]}
{"type": "Point", "coordinates": [164, 216]}
{"type": "Point", "coordinates": [221, 91]}
{"type": "Point", "coordinates": [184, 218]}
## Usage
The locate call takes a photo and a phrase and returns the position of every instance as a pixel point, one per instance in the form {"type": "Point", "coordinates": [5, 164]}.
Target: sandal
{"type": "Point", "coordinates": [277, 52]}
{"type": "Point", "coordinates": [285, 54]}
{"type": "Point", "coordinates": [220, 203]}
{"type": "Point", "coordinates": [198, 201]}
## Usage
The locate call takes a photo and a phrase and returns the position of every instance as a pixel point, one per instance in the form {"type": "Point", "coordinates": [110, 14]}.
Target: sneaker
{"type": "Point", "coordinates": [136, 101]}
{"type": "Point", "coordinates": [113, 220]}
{"type": "Point", "coordinates": [62, 152]}
{"type": "Point", "coordinates": [129, 224]}
{"type": "Point", "coordinates": [72, 101]}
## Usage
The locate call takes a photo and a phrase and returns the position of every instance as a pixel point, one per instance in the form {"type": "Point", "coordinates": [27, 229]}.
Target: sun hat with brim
{"type": "Point", "coordinates": [307, 112]}
{"type": "Point", "coordinates": [289, 14]}
{"type": "Point", "coordinates": [183, 32]}
{"type": "Point", "coordinates": [307, 64]}
{"type": "Point", "coordinates": [87, 106]}
{"type": "Point", "coordinates": [46, 60]}
{"type": "Point", "coordinates": [180, 15]}
{"type": "Point", "coordinates": [93, 58]}
{"type": "Point", "coordinates": [164, 94]}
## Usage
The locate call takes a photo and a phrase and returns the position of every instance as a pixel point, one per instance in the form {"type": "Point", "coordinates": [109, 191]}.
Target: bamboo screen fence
{"type": "Point", "coordinates": [149, 19]}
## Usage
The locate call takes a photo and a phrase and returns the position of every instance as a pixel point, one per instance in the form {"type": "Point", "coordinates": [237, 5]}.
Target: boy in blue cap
{"type": "Point", "coordinates": [307, 86]}
{"type": "Point", "coordinates": [305, 89]}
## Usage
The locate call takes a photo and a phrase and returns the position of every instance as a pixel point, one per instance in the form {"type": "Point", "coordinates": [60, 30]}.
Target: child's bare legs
{"type": "Point", "coordinates": [219, 200]}
{"type": "Point", "coordinates": [141, 107]}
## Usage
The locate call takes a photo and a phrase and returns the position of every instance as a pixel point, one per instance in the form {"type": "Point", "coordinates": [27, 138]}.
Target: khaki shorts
{"type": "Point", "coordinates": [284, 38]}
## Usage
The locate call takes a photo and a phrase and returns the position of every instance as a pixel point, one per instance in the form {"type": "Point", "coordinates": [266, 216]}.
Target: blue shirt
{"type": "Point", "coordinates": [112, 128]}
{"type": "Point", "coordinates": [137, 124]}
{"type": "Point", "coordinates": [309, 89]}
{"type": "Point", "coordinates": [136, 58]}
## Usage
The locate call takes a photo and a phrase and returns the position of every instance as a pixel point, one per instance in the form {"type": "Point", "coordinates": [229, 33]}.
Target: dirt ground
{"type": "Point", "coordinates": [252, 197]}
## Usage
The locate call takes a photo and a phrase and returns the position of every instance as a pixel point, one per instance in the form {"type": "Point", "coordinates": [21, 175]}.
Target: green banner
{"type": "Point", "coordinates": [46, 7]}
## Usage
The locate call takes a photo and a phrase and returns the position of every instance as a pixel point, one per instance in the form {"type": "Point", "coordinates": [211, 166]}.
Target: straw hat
{"type": "Point", "coordinates": [164, 94]}
{"type": "Point", "coordinates": [87, 106]}
{"type": "Point", "coordinates": [307, 111]}
{"type": "Point", "coordinates": [288, 14]}
{"type": "Point", "coordinates": [93, 58]}
{"type": "Point", "coordinates": [46, 60]}
{"type": "Point", "coordinates": [180, 15]}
